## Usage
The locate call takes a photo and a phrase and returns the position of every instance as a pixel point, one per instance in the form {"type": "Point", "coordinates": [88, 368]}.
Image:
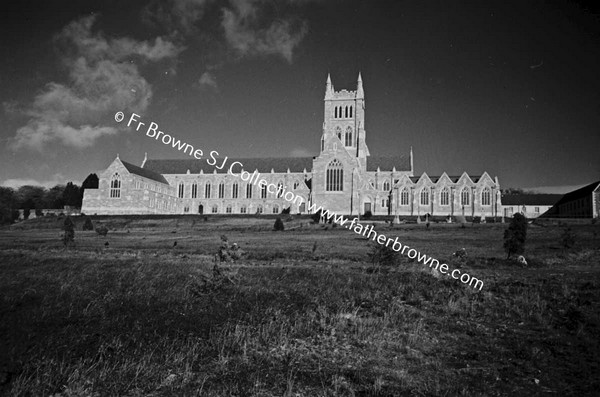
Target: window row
{"type": "Point", "coordinates": [343, 112]}
{"type": "Point", "coordinates": [465, 196]}
{"type": "Point", "coordinates": [244, 209]}
{"type": "Point", "coordinates": [235, 190]}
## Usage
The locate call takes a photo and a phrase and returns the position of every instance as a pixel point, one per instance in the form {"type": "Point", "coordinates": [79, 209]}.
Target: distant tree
{"type": "Point", "coordinates": [286, 211]}
{"type": "Point", "coordinates": [515, 235]}
{"type": "Point", "coordinates": [278, 226]}
{"type": "Point", "coordinates": [91, 182]}
{"type": "Point", "coordinates": [8, 205]}
{"type": "Point", "coordinates": [69, 231]}
{"type": "Point", "coordinates": [71, 195]}
{"type": "Point", "coordinates": [31, 197]}
{"type": "Point", "coordinates": [53, 198]}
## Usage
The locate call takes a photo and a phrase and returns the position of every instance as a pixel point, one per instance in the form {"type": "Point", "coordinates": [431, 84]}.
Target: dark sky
{"type": "Point", "coordinates": [507, 87]}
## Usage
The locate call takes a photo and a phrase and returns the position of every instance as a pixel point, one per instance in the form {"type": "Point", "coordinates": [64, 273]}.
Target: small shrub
{"type": "Point", "coordinates": [316, 217]}
{"type": "Point", "coordinates": [368, 215]}
{"type": "Point", "coordinates": [102, 230]}
{"type": "Point", "coordinates": [87, 224]}
{"type": "Point", "coordinates": [383, 255]}
{"type": "Point", "coordinates": [286, 211]}
{"type": "Point", "coordinates": [69, 231]}
{"type": "Point", "coordinates": [278, 226]}
{"type": "Point", "coordinates": [515, 235]}
{"type": "Point", "coordinates": [567, 238]}
{"type": "Point", "coordinates": [228, 252]}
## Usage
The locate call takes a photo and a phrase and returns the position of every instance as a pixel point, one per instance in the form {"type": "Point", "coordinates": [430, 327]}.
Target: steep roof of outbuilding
{"type": "Point", "coordinates": [144, 172]}
{"type": "Point", "coordinates": [579, 193]}
{"type": "Point", "coordinates": [530, 199]}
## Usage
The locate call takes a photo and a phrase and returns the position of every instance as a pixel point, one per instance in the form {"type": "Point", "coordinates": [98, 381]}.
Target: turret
{"type": "Point", "coordinates": [329, 88]}
{"type": "Point", "coordinates": [360, 93]}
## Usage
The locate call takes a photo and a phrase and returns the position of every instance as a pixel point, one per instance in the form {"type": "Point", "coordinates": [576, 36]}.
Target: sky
{"type": "Point", "coordinates": [507, 87]}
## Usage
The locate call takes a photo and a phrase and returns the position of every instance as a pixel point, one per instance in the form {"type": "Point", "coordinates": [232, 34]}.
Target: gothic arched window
{"type": "Point", "coordinates": [348, 140]}
{"type": "Point", "coordinates": [486, 197]}
{"type": "Point", "coordinates": [465, 197]}
{"type": "Point", "coordinates": [335, 112]}
{"type": "Point", "coordinates": [181, 189]}
{"type": "Point", "coordinates": [249, 191]}
{"type": "Point", "coordinates": [276, 209]}
{"type": "Point", "coordinates": [115, 186]}
{"type": "Point", "coordinates": [228, 209]}
{"type": "Point", "coordinates": [386, 186]}
{"type": "Point", "coordinates": [215, 209]}
{"type": "Point", "coordinates": [243, 209]}
{"type": "Point", "coordinates": [404, 196]}
{"type": "Point", "coordinates": [207, 190]}
{"type": "Point", "coordinates": [351, 111]}
{"type": "Point", "coordinates": [194, 190]}
{"type": "Point", "coordinates": [259, 209]}
{"type": "Point", "coordinates": [279, 190]}
{"type": "Point", "coordinates": [445, 197]}
{"type": "Point", "coordinates": [346, 112]}
{"type": "Point", "coordinates": [234, 190]}
{"type": "Point", "coordinates": [335, 177]}
{"type": "Point", "coordinates": [425, 196]}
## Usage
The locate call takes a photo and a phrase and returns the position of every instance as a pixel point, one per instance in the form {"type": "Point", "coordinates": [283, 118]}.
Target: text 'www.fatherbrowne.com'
{"type": "Point", "coordinates": [152, 131]}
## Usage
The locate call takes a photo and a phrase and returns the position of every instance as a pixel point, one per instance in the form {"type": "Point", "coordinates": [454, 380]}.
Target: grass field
{"type": "Point", "coordinates": [303, 315]}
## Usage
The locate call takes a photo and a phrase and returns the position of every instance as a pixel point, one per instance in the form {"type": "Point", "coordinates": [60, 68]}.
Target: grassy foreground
{"type": "Point", "coordinates": [133, 317]}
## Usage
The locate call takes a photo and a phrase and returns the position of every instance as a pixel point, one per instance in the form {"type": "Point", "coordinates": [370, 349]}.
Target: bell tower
{"type": "Point", "coordinates": [344, 120]}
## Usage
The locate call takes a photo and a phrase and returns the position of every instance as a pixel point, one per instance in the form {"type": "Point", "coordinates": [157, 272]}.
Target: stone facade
{"type": "Point", "coordinates": [342, 178]}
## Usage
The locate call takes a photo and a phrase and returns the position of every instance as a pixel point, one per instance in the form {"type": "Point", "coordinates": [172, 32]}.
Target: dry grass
{"type": "Point", "coordinates": [128, 319]}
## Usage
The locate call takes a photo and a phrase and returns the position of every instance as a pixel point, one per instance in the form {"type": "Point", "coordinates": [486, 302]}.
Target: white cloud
{"type": "Point", "coordinates": [209, 80]}
{"type": "Point", "coordinates": [101, 82]}
{"type": "Point", "coordinates": [15, 183]}
{"type": "Point", "coordinates": [247, 34]}
{"type": "Point", "coordinates": [176, 14]}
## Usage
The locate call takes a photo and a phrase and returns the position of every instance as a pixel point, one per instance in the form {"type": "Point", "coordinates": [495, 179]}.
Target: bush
{"type": "Point", "coordinates": [567, 238]}
{"type": "Point", "coordinates": [278, 226]}
{"type": "Point", "coordinates": [383, 255]}
{"type": "Point", "coordinates": [87, 224]}
{"type": "Point", "coordinates": [368, 215]}
{"type": "Point", "coordinates": [316, 217]}
{"type": "Point", "coordinates": [286, 211]}
{"type": "Point", "coordinates": [102, 230]}
{"type": "Point", "coordinates": [69, 231]}
{"type": "Point", "coordinates": [515, 235]}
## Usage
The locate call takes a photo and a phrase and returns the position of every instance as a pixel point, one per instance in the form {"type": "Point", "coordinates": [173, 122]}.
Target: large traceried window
{"type": "Point", "coordinates": [335, 177]}
{"type": "Point", "coordinates": [445, 196]}
{"type": "Point", "coordinates": [234, 190]}
{"type": "Point", "coordinates": [207, 190]}
{"type": "Point", "coordinates": [194, 190]}
{"type": "Point", "coordinates": [221, 190]}
{"type": "Point", "coordinates": [249, 191]}
{"type": "Point", "coordinates": [425, 196]}
{"type": "Point", "coordinates": [181, 189]}
{"type": "Point", "coordinates": [486, 197]}
{"type": "Point", "coordinates": [404, 197]}
{"type": "Point", "coordinates": [465, 197]}
{"type": "Point", "coordinates": [115, 186]}
{"type": "Point", "coordinates": [348, 140]}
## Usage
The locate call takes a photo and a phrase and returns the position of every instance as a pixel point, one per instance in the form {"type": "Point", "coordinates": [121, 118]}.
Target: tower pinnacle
{"type": "Point", "coordinates": [360, 93]}
{"type": "Point", "coordinates": [329, 88]}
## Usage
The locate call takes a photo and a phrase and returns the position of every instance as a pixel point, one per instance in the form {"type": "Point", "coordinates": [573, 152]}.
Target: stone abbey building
{"type": "Point", "coordinates": [344, 177]}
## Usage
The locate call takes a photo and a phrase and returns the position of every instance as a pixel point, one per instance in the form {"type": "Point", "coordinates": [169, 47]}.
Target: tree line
{"type": "Point", "coordinates": [35, 198]}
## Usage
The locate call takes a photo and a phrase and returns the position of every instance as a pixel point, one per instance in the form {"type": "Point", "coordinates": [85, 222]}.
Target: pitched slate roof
{"type": "Point", "coordinates": [530, 199]}
{"type": "Point", "coordinates": [146, 173]}
{"type": "Point", "coordinates": [264, 165]}
{"type": "Point", "coordinates": [402, 163]}
{"type": "Point", "coordinates": [579, 193]}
